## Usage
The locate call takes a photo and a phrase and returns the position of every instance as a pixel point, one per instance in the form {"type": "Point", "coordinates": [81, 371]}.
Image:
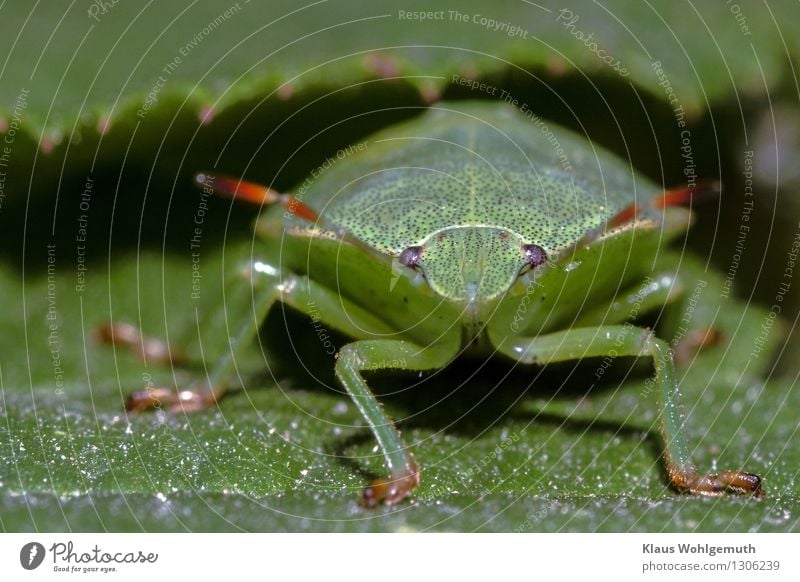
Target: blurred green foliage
{"type": "Point", "coordinates": [133, 101]}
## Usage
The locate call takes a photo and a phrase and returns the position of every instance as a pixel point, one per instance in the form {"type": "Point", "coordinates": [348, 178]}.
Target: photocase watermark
{"type": "Point", "coordinates": [532, 520]}
{"type": "Point", "coordinates": [524, 303]}
{"type": "Point", "coordinates": [151, 99]}
{"type": "Point", "coordinates": [664, 82]}
{"type": "Point", "coordinates": [688, 314]}
{"type": "Point", "coordinates": [206, 191]}
{"type": "Point", "coordinates": [507, 28]}
{"type": "Point", "coordinates": [568, 19]}
{"type": "Point", "coordinates": [81, 236]}
{"type": "Point", "coordinates": [441, 489]}
{"type": "Point", "coordinates": [784, 286]}
{"type": "Point", "coordinates": [319, 328]}
{"type": "Point", "coordinates": [488, 460]}
{"type": "Point", "coordinates": [67, 558]}
{"type": "Point", "coordinates": [492, 24]}
{"type": "Point", "coordinates": [523, 108]}
{"type": "Point", "coordinates": [31, 555]}
{"type": "Point", "coordinates": [649, 386]}
{"type": "Point", "coordinates": [152, 391]}
{"type": "Point", "coordinates": [330, 348]}
{"type": "Point", "coordinates": [684, 331]}
{"type": "Point", "coordinates": [394, 364]}
{"type": "Point", "coordinates": [627, 327]}
{"type": "Point", "coordinates": [739, 16]}
{"type": "Point", "coordinates": [315, 174]}
{"type": "Point", "coordinates": [744, 226]}
{"type": "Point", "coordinates": [53, 324]}
{"type": "Point", "coordinates": [689, 165]}
{"type": "Point", "coordinates": [10, 128]}
{"type": "Point", "coordinates": [99, 8]}
{"type": "Point", "coordinates": [340, 155]}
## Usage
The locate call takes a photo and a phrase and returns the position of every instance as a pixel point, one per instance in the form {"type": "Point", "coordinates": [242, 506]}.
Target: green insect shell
{"type": "Point", "coordinates": [471, 229]}
{"type": "Point", "coordinates": [471, 185]}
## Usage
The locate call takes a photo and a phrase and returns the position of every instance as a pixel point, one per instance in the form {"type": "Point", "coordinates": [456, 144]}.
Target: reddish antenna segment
{"type": "Point", "coordinates": [253, 193]}
{"type": "Point", "coordinates": [700, 192]}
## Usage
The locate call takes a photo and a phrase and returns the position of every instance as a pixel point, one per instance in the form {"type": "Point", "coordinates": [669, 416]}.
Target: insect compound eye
{"type": "Point", "coordinates": [534, 254]}
{"type": "Point", "coordinates": [411, 256]}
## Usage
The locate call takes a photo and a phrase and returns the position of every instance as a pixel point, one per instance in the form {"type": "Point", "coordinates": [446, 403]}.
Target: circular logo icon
{"type": "Point", "coordinates": [31, 555]}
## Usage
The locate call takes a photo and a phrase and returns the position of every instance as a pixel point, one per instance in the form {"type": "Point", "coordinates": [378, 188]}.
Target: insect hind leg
{"type": "Point", "coordinates": [246, 300]}
{"type": "Point", "coordinates": [150, 350]}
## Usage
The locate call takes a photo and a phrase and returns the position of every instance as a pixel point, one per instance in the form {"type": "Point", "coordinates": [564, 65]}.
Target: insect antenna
{"type": "Point", "coordinates": [254, 194]}
{"type": "Point", "coordinates": [684, 196]}
{"type": "Point", "coordinates": [261, 195]}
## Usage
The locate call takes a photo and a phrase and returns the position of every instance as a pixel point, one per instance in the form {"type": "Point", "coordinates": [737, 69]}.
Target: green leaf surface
{"type": "Point", "coordinates": [134, 99]}
{"type": "Point", "coordinates": [290, 453]}
{"type": "Point", "coordinates": [80, 68]}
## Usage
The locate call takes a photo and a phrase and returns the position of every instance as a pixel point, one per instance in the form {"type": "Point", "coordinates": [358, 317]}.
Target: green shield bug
{"type": "Point", "coordinates": [466, 232]}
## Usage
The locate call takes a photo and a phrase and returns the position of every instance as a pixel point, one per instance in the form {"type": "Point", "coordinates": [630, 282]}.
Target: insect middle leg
{"type": "Point", "coordinates": [251, 291]}
{"type": "Point", "coordinates": [665, 291]}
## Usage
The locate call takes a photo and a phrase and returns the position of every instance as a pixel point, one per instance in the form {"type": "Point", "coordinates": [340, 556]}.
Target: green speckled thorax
{"type": "Point", "coordinates": [471, 184]}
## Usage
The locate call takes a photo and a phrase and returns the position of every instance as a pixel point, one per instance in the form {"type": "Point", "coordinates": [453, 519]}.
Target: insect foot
{"type": "Point", "coordinates": [392, 490]}
{"type": "Point", "coordinates": [726, 482]}
{"type": "Point", "coordinates": [153, 398]}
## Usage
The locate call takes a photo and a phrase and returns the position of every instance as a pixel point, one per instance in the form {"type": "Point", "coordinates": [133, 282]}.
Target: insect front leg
{"type": "Point", "coordinates": [628, 340]}
{"type": "Point", "coordinates": [363, 355]}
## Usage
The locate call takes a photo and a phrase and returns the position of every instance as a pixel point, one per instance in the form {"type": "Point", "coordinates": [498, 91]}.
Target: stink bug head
{"type": "Point", "coordinates": [472, 264]}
